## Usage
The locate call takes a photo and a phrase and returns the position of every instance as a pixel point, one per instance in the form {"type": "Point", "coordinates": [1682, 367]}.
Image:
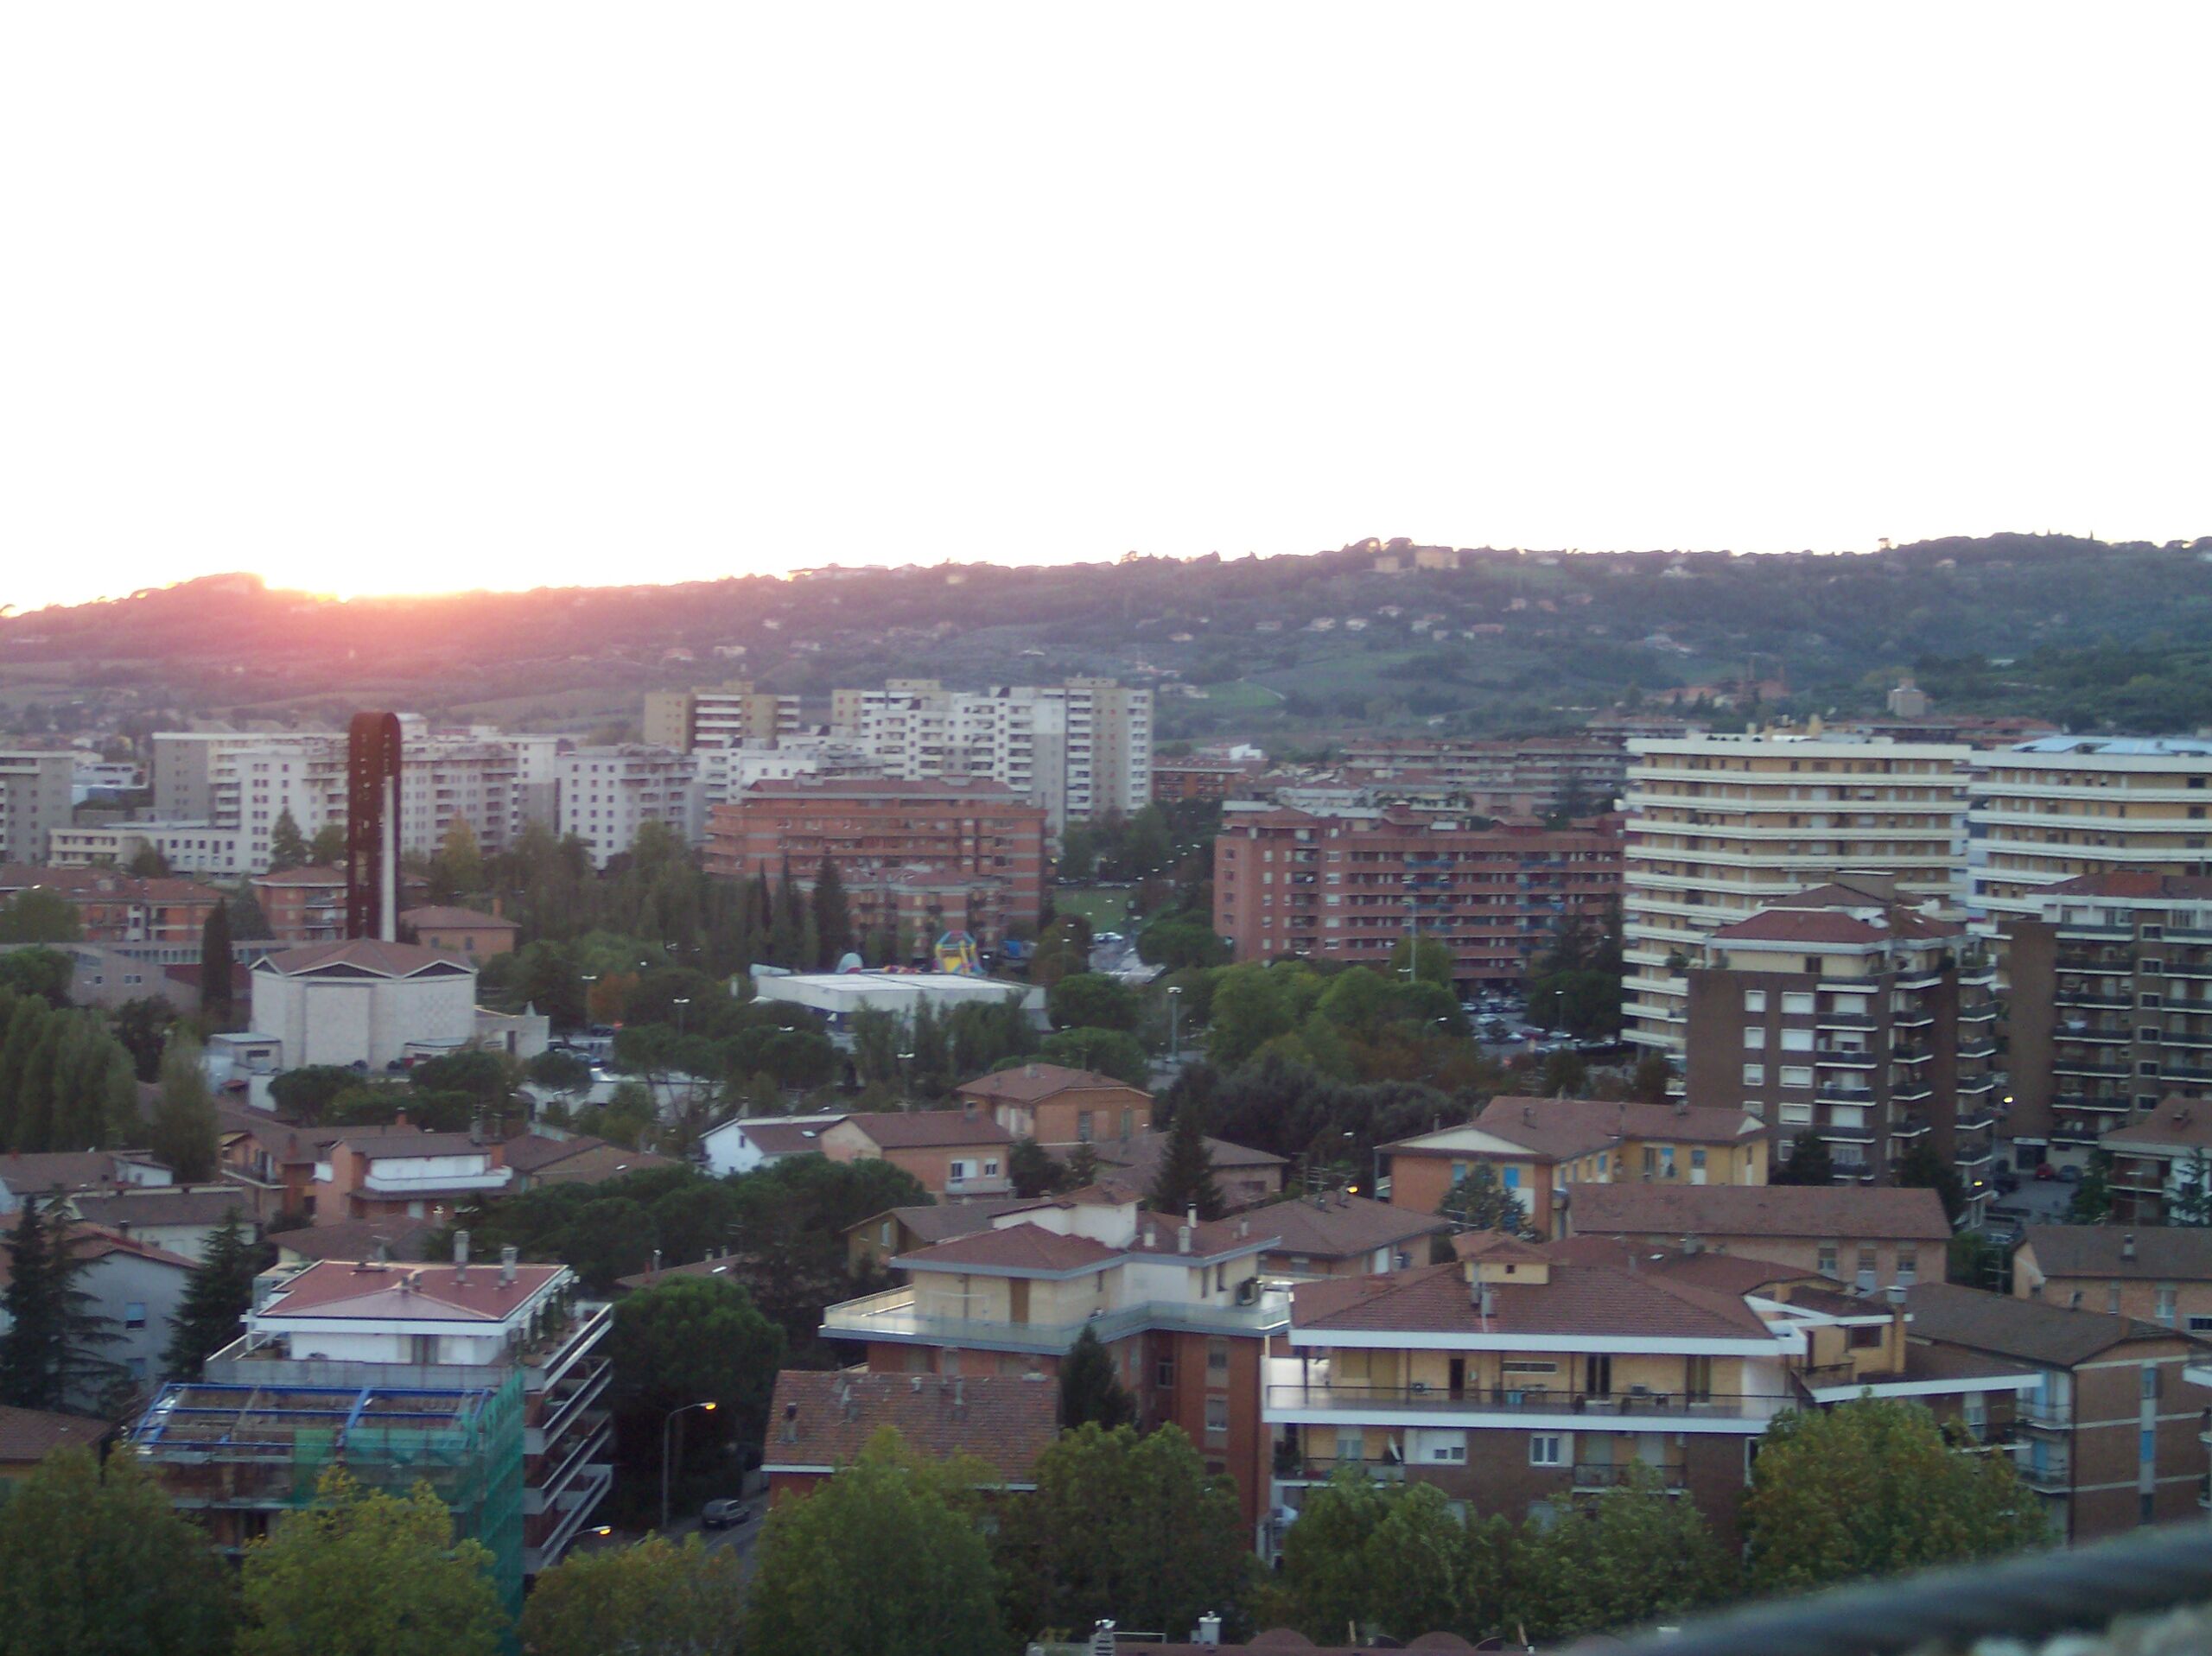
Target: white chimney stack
{"type": "Point", "coordinates": [459, 1258]}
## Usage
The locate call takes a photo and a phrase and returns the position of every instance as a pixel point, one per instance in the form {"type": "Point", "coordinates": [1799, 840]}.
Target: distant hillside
{"type": "Point", "coordinates": [1507, 639]}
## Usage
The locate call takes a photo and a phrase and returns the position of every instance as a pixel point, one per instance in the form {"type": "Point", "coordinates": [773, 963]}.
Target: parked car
{"type": "Point", "coordinates": [2006, 1183]}
{"type": "Point", "coordinates": [2069, 1175]}
{"type": "Point", "coordinates": [723, 1514]}
{"type": "Point", "coordinates": [2045, 1171]}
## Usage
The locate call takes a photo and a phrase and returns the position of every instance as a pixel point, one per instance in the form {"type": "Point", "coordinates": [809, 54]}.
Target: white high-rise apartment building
{"type": "Point", "coordinates": [1719, 825]}
{"type": "Point", "coordinates": [36, 791]}
{"type": "Point", "coordinates": [1081, 750]}
{"type": "Point", "coordinates": [2064, 806]}
{"type": "Point", "coordinates": [608, 793]}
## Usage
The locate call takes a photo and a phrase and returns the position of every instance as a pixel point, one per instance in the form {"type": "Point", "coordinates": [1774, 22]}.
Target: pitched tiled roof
{"type": "Point", "coordinates": [2164, 1252]}
{"type": "Point", "coordinates": [29, 1435]}
{"type": "Point", "coordinates": [91, 1242]}
{"type": "Point", "coordinates": [2182, 1123]}
{"type": "Point", "coordinates": [1135, 1160]}
{"type": "Point", "coordinates": [1579, 1299]}
{"type": "Point", "coordinates": [1802, 926]}
{"type": "Point", "coordinates": [1032, 1081]}
{"type": "Point", "coordinates": [824, 1419]}
{"type": "Point", "coordinates": [408, 1141]}
{"type": "Point", "coordinates": [940, 1222]}
{"type": "Point", "coordinates": [1014, 1247]}
{"type": "Point", "coordinates": [162, 1205]}
{"type": "Point", "coordinates": [40, 1171]}
{"type": "Point", "coordinates": [962, 789]}
{"type": "Point", "coordinates": [1781, 1210]}
{"type": "Point", "coordinates": [314, 874]}
{"type": "Point", "coordinates": [362, 957]}
{"type": "Point", "coordinates": [1730, 1273]}
{"type": "Point", "coordinates": [2133, 882]}
{"type": "Point", "coordinates": [2024, 1330]}
{"type": "Point", "coordinates": [727, 1264]}
{"type": "Point", "coordinates": [1562, 1128]}
{"type": "Point", "coordinates": [431, 1294]}
{"type": "Point", "coordinates": [352, 1240]}
{"type": "Point", "coordinates": [1338, 1227]}
{"type": "Point", "coordinates": [929, 1129]}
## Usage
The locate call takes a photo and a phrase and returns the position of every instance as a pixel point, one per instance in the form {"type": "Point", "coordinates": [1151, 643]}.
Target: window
{"type": "Point", "coordinates": [1754, 1074]}
{"type": "Point", "coordinates": [1217, 1417]}
{"type": "Point", "coordinates": [883, 1234]}
{"type": "Point", "coordinates": [1217, 1362]}
{"type": "Point", "coordinates": [1352, 1444]}
{"type": "Point", "coordinates": [1908, 1263]}
{"type": "Point", "coordinates": [1518, 1366]}
{"type": "Point", "coordinates": [2148, 1001]}
{"type": "Point", "coordinates": [1827, 1259]}
{"type": "Point", "coordinates": [1754, 1037]}
{"type": "Point", "coordinates": [1865, 1339]}
{"type": "Point", "coordinates": [1796, 1074]}
{"type": "Point", "coordinates": [1797, 1005]}
{"type": "Point", "coordinates": [956, 1171]}
{"type": "Point", "coordinates": [1454, 1452]}
{"type": "Point", "coordinates": [1511, 1178]}
{"type": "Point", "coordinates": [1083, 1127]}
{"type": "Point", "coordinates": [2165, 1316]}
{"type": "Point", "coordinates": [1544, 1450]}
{"type": "Point", "coordinates": [134, 1315]}
{"type": "Point", "coordinates": [2150, 1382]}
{"type": "Point", "coordinates": [1754, 1001]}
{"type": "Point", "coordinates": [1163, 1373]}
{"type": "Point", "coordinates": [2147, 1446]}
{"type": "Point", "coordinates": [1796, 1040]}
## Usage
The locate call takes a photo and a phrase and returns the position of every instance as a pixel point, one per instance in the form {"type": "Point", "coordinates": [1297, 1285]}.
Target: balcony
{"type": "Point", "coordinates": [891, 1316]}
{"type": "Point", "coordinates": [1829, 1091]}
{"type": "Point", "coordinates": [2084, 1032]}
{"type": "Point", "coordinates": [1620, 1475]}
{"type": "Point", "coordinates": [2050, 1474]}
{"type": "Point", "coordinates": [2087, 998]}
{"type": "Point", "coordinates": [1302, 1397]}
{"type": "Point", "coordinates": [2089, 1067]}
{"type": "Point", "coordinates": [2035, 1414]}
{"type": "Point", "coordinates": [1847, 1057]}
{"type": "Point", "coordinates": [1842, 1020]}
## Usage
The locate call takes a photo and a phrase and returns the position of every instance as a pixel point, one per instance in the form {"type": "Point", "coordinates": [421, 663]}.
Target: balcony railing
{"type": "Point", "coordinates": [892, 1317]}
{"type": "Point", "coordinates": [2052, 1475]}
{"type": "Point", "coordinates": [1620, 1475]}
{"type": "Point", "coordinates": [1355, 1399]}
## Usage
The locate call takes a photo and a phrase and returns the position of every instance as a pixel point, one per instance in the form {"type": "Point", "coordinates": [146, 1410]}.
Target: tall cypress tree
{"type": "Point", "coordinates": [216, 1300]}
{"type": "Point", "coordinates": [26, 1024]}
{"type": "Point", "coordinates": [184, 1135]}
{"type": "Point", "coordinates": [1090, 1390]}
{"type": "Point", "coordinates": [833, 918]}
{"type": "Point", "coordinates": [288, 846]}
{"type": "Point", "coordinates": [49, 1358]}
{"type": "Point", "coordinates": [1186, 1176]}
{"type": "Point", "coordinates": [35, 1092]}
{"type": "Point", "coordinates": [787, 934]}
{"type": "Point", "coordinates": [215, 963]}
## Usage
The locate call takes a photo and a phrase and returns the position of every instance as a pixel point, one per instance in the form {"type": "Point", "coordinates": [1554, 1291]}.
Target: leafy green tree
{"type": "Point", "coordinates": [46, 973]}
{"type": "Point", "coordinates": [1920, 1169]}
{"type": "Point", "coordinates": [559, 1072]}
{"type": "Point", "coordinates": [143, 1026]}
{"type": "Point", "coordinates": [1567, 1073]}
{"type": "Point", "coordinates": [885, 1559]}
{"type": "Point", "coordinates": [1186, 1178]}
{"type": "Point", "coordinates": [1809, 1162]}
{"type": "Point", "coordinates": [1643, 1557]}
{"type": "Point", "coordinates": [1870, 1487]}
{"type": "Point", "coordinates": [696, 1340]}
{"type": "Point", "coordinates": [1585, 1004]}
{"type": "Point", "coordinates": [1090, 1393]}
{"type": "Point", "coordinates": [288, 846]}
{"type": "Point", "coordinates": [328, 847]}
{"type": "Point", "coordinates": [1175, 941]}
{"type": "Point", "coordinates": [39, 915]}
{"type": "Point", "coordinates": [1091, 1000]}
{"type": "Point", "coordinates": [363, 1573]}
{"type": "Point", "coordinates": [1249, 1009]}
{"type": "Point", "coordinates": [94, 1561]}
{"type": "Point", "coordinates": [303, 1095]}
{"type": "Point", "coordinates": [147, 863]}
{"type": "Point", "coordinates": [1479, 1202]}
{"type": "Point", "coordinates": [1032, 1171]}
{"type": "Point", "coordinates": [183, 1137]}
{"type": "Point", "coordinates": [216, 964]}
{"type": "Point", "coordinates": [458, 869]}
{"type": "Point", "coordinates": [833, 916]}
{"type": "Point", "coordinates": [2192, 1202]}
{"type": "Point", "coordinates": [1109, 1051]}
{"type": "Point", "coordinates": [49, 1357]}
{"type": "Point", "coordinates": [479, 1074]}
{"type": "Point", "coordinates": [216, 1300]}
{"type": "Point", "coordinates": [787, 927]}
{"type": "Point", "coordinates": [2092, 1203]}
{"type": "Point", "coordinates": [1429, 963]}
{"type": "Point", "coordinates": [657, 1598]}
{"type": "Point", "coordinates": [1127, 1525]}
{"type": "Point", "coordinates": [1327, 1583]}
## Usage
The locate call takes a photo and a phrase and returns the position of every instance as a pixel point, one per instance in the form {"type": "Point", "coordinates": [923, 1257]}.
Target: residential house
{"type": "Point", "coordinates": [537, 1159]}
{"type": "Point", "coordinates": [819, 1421]}
{"type": "Point", "coordinates": [1525, 1376]}
{"type": "Point", "coordinates": [1245, 1177]}
{"type": "Point", "coordinates": [2160, 1274]}
{"type": "Point", "coordinates": [746, 1142]}
{"type": "Point", "coordinates": [2110, 1435]}
{"type": "Point", "coordinates": [1336, 1234]}
{"type": "Point", "coordinates": [460, 931]}
{"type": "Point", "coordinates": [1179, 1304]}
{"type": "Point", "coordinates": [303, 905]}
{"type": "Point", "coordinates": [485, 1379]}
{"type": "Point", "coordinates": [2156, 1160]}
{"type": "Point", "coordinates": [1537, 1146]}
{"type": "Point", "coordinates": [136, 1287]}
{"type": "Point", "coordinates": [949, 1152]}
{"type": "Point", "coordinates": [179, 1218]}
{"type": "Point", "coordinates": [1055, 1105]}
{"type": "Point", "coordinates": [58, 1172]}
{"type": "Point", "coordinates": [882, 1237]}
{"type": "Point", "coordinates": [1869, 1237]}
{"type": "Point", "coordinates": [398, 1172]}
{"type": "Point", "coordinates": [373, 1240]}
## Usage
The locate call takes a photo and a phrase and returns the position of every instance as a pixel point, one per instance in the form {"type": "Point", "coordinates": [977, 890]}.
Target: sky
{"type": "Point", "coordinates": [424, 296]}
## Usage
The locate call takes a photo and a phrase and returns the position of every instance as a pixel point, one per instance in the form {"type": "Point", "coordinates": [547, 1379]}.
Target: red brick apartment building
{"type": "Point", "coordinates": [118, 908]}
{"type": "Point", "coordinates": [954, 853]}
{"type": "Point", "coordinates": [1350, 888]}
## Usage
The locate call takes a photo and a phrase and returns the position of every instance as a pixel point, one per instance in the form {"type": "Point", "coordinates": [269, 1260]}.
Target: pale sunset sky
{"type": "Point", "coordinates": [419, 296]}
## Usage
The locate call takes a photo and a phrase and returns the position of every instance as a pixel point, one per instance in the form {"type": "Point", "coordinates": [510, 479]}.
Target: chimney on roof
{"type": "Point", "coordinates": [2128, 1246]}
{"type": "Point", "coordinates": [1485, 1303]}
{"type": "Point", "coordinates": [1182, 1239]}
{"type": "Point", "coordinates": [1102, 1640]}
{"type": "Point", "coordinates": [1151, 1237]}
{"type": "Point", "coordinates": [1896, 1292]}
{"type": "Point", "coordinates": [1244, 1227]}
{"type": "Point", "coordinates": [400, 1121]}
{"type": "Point", "coordinates": [1208, 1632]}
{"type": "Point", "coordinates": [459, 1259]}
{"type": "Point", "coordinates": [791, 1419]}
{"type": "Point", "coordinates": [1529, 1113]}
{"type": "Point", "coordinates": [508, 1255]}
{"type": "Point", "coordinates": [1682, 1104]}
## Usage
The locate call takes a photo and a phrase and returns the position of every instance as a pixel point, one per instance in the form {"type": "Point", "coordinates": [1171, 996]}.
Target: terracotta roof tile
{"type": "Point", "coordinates": [1032, 1081]}
{"type": "Point", "coordinates": [1345, 1227]}
{"type": "Point", "coordinates": [2163, 1253]}
{"type": "Point", "coordinates": [819, 1419]}
{"type": "Point", "coordinates": [433, 1292]}
{"type": "Point", "coordinates": [352, 1240]}
{"type": "Point", "coordinates": [2026, 1331]}
{"type": "Point", "coordinates": [441, 918]}
{"type": "Point", "coordinates": [1577, 1300]}
{"type": "Point", "coordinates": [30, 1434]}
{"type": "Point", "coordinates": [928, 1129]}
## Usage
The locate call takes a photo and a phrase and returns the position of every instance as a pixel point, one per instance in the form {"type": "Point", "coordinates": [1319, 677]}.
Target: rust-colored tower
{"type": "Point", "coordinates": [373, 767]}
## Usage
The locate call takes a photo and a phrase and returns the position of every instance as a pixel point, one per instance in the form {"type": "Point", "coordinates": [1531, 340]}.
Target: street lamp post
{"type": "Point", "coordinates": [682, 1001]}
{"type": "Point", "coordinates": [1174, 1024]}
{"type": "Point", "coordinates": [668, 1422]}
{"type": "Point", "coordinates": [587, 979]}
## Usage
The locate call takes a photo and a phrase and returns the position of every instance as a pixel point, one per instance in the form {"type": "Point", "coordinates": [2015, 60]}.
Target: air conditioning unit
{"type": "Point", "coordinates": [1248, 1291]}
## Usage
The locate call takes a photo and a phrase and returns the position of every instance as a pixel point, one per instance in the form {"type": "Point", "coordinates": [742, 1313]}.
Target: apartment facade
{"type": "Point", "coordinates": [2064, 807]}
{"type": "Point", "coordinates": [977, 842]}
{"type": "Point", "coordinates": [36, 793]}
{"type": "Point", "coordinates": [724, 716]}
{"type": "Point", "coordinates": [2158, 1273]}
{"type": "Point", "coordinates": [1524, 1376]}
{"type": "Point", "coordinates": [1841, 1013]}
{"type": "Point", "coordinates": [1179, 1303]}
{"type": "Point", "coordinates": [2162, 1164]}
{"type": "Point", "coordinates": [118, 908]}
{"type": "Point", "coordinates": [1081, 750]}
{"type": "Point", "coordinates": [1353, 888]}
{"type": "Point", "coordinates": [2110, 1434]}
{"type": "Point", "coordinates": [1720, 826]}
{"type": "Point", "coordinates": [1538, 1147]}
{"type": "Point", "coordinates": [2109, 1008]}
{"type": "Point", "coordinates": [1536, 775]}
{"type": "Point", "coordinates": [607, 794]}
{"type": "Point", "coordinates": [1055, 1105]}
{"type": "Point", "coordinates": [1869, 1239]}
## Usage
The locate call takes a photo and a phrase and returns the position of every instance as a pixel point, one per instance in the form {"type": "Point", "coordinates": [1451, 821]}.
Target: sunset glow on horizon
{"type": "Point", "coordinates": [434, 299]}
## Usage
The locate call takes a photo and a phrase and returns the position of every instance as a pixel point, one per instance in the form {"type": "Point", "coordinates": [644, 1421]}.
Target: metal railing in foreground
{"type": "Point", "coordinates": [2031, 1596]}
